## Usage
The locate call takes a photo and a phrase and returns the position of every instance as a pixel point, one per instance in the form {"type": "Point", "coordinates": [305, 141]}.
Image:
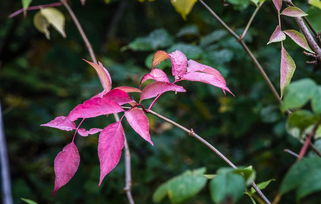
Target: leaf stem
{"type": "Point", "coordinates": [34, 8]}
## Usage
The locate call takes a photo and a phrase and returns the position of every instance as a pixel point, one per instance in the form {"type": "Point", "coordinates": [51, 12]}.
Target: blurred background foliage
{"type": "Point", "coordinates": [42, 78]}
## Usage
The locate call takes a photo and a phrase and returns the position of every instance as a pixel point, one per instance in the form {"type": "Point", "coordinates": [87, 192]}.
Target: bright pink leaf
{"type": "Point", "coordinates": [110, 145]}
{"type": "Point", "coordinates": [299, 39]}
{"type": "Point", "coordinates": [179, 63]}
{"type": "Point", "coordinates": [277, 4]}
{"type": "Point", "coordinates": [293, 11]}
{"type": "Point", "coordinates": [128, 89]}
{"type": "Point", "coordinates": [287, 69]}
{"type": "Point", "coordinates": [103, 75]}
{"type": "Point", "coordinates": [154, 89]}
{"type": "Point", "coordinates": [94, 107]}
{"type": "Point", "coordinates": [159, 56]}
{"type": "Point", "coordinates": [277, 35]}
{"type": "Point", "coordinates": [155, 74]}
{"type": "Point", "coordinates": [83, 132]}
{"type": "Point", "coordinates": [207, 78]}
{"type": "Point", "coordinates": [62, 123]}
{"type": "Point", "coordinates": [139, 122]}
{"type": "Point", "coordinates": [118, 96]}
{"type": "Point", "coordinates": [66, 164]}
{"type": "Point", "coordinates": [194, 66]}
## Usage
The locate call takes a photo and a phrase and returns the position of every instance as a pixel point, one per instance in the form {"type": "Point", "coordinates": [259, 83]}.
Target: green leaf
{"type": "Point", "coordinates": [26, 3]}
{"type": "Point", "coordinates": [293, 11]}
{"type": "Point", "coordinates": [183, 7]}
{"type": "Point", "coordinates": [182, 187]}
{"type": "Point", "coordinates": [262, 185]}
{"type": "Point", "coordinates": [191, 51]}
{"type": "Point", "coordinates": [298, 93]}
{"type": "Point", "coordinates": [314, 18]}
{"type": "Point", "coordinates": [157, 39]}
{"type": "Point", "coordinates": [287, 69]}
{"type": "Point", "coordinates": [315, 3]}
{"type": "Point", "coordinates": [188, 30]}
{"type": "Point", "coordinates": [240, 4]}
{"type": "Point", "coordinates": [316, 101]}
{"type": "Point", "coordinates": [41, 24]}
{"type": "Point", "coordinates": [227, 186]}
{"type": "Point", "coordinates": [212, 37]}
{"type": "Point", "coordinates": [28, 201]}
{"type": "Point", "coordinates": [55, 18]}
{"type": "Point", "coordinates": [248, 174]}
{"type": "Point", "coordinates": [299, 39]}
{"type": "Point", "coordinates": [300, 123]}
{"type": "Point", "coordinates": [304, 176]}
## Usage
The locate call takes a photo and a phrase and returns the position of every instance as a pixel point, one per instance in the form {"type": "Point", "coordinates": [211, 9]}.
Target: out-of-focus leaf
{"type": "Point", "coordinates": [191, 51]}
{"type": "Point", "coordinates": [188, 30]}
{"type": "Point", "coordinates": [55, 18]}
{"type": "Point", "coordinates": [248, 174]}
{"type": "Point", "coordinates": [229, 186]}
{"type": "Point", "coordinates": [262, 185]}
{"type": "Point", "coordinates": [277, 35]}
{"type": "Point", "coordinates": [314, 18]}
{"type": "Point", "coordinates": [155, 40]}
{"type": "Point", "coordinates": [42, 24]}
{"type": "Point", "coordinates": [298, 93]}
{"type": "Point", "coordinates": [270, 114]}
{"type": "Point", "coordinates": [299, 39]}
{"type": "Point", "coordinates": [316, 101]}
{"type": "Point", "coordinates": [183, 7]}
{"type": "Point", "coordinates": [26, 4]}
{"type": "Point", "coordinates": [240, 4]}
{"type": "Point", "coordinates": [28, 201]}
{"type": "Point", "coordinates": [293, 11]}
{"type": "Point", "coordinates": [315, 3]}
{"type": "Point", "coordinates": [182, 187]}
{"type": "Point", "coordinates": [287, 69]}
{"type": "Point", "coordinates": [303, 176]}
{"type": "Point", "coordinates": [212, 37]}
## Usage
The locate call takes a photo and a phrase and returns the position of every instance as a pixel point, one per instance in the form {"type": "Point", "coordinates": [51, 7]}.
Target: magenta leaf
{"type": "Point", "coordinates": [139, 122]}
{"type": "Point", "coordinates": [103, 75]}
{"type": "Point", "coordinates": [293, 11]}
{"type": "Point", "coordinates": [154, 89]}
{"type": "Point", "coordinates": [110, 145]}
{"type": "Point", "coordinates": [94, 107]}
{"type": "Point", "coordinates": [179, 63]}
{"type": "Point", "coordinates": [119, 96]}
{"type": "Point", "coordinates": [155, 74]}
{"type": "Point", "coordinates": [277, 4]}
{"type": "Point", "coordinates": [128, 89]}
{"type": "Point", "coordinates": [287, 69]}
{"type": "Point", "coordinates": [66, 164]}
{"type": "Point", "coordinates": [83, 132]}
{"type": "Point", "coordinates": [62, 123]}
{"type": "Point", "coordinates": [299, 39]}
{"type": "Point", "coordinates": [277, 35]}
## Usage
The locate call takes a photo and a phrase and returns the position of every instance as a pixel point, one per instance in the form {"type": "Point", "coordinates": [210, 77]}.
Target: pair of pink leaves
{"type": "Point", "coordinates": [182, 69]}
{"type": "Point", "coordinates": [111, 138]}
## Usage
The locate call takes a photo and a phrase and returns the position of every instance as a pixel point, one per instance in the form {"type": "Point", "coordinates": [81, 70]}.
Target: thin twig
{"type": "Point", "coordinates": [247, 50]}
{"type": "Point", "coordinates": [4, 163]}
{"type": "Point", "coordinates": [34, 8]}
{"type": "Point", "coordinates": [128, 179]}
{"type": "Point", "coordinates": [315, 150]}
{"type": "Point", "coordinates": [291, 152]}
{"type": "Point", "coordinates": [251, 20]}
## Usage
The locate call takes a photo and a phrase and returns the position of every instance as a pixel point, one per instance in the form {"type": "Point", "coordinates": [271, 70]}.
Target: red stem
{"type": "Point", "coordinates": [73, 138]}
{"type": "Point", "coordinates": [34, 8]}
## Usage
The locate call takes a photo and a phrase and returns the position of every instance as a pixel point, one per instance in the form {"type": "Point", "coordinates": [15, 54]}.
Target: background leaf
{"type": "Point", "coordinates": [183, 7]}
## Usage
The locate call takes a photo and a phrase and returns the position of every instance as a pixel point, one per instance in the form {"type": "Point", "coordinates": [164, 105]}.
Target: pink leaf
{"type": "Point", "coordinates": [277, 4]}
{"type": "Point", "coordinates": [66, 164]}
{"type": "Point", "coordinates": [299, 39]}
{"type": "Point", "coordinates": [128, 89]}
{"type": "Point", "coordinates": [293, 12]}
{"type": "Point", "coordinates": [207, 78]}
{"type": "Point", "coordinates": [94, 107]}
{"type": "Point", "coordinates": [155, 74]}
{"type": "Point", "coordinates": [287, 69]}
{"type": "Point", "coordinates": [110, 145]}
{"type": "Point", "coordinates": [154, 89]}
{"type": "Point", "coordinates": [179, 63]}
{"type": "Point", "coordinates": [277, 35]}
{"type": "Point", "coordinates": [139, 122]}
{"type": "Point", "coordinates": [103, 75]}
{"type": "Point", "coordinates": [83, 132]}
{"type": "Point", "coordinates": [62, 123]}
{"type": "Point", "coordinates": [119, 96]}
{"type": "Point", "coordinates": [159, 56]}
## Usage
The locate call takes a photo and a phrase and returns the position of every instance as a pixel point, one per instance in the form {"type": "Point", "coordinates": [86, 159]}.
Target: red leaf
{"type": "Point", "coordinates": [62, 123]}
{"type": "Point", "coordinates": [299, 39]}
{"type": "Point", "coordinates": [154, 89]}
{"type": "Point", "coordinates": [277, 35]}
{"type": "Point", "coordinates": [83, 132]}
{"type": "Point", "coordinates": [118, 96]}
{"type": "Point", "coordinates": [293, 12]}
{"type": "Point", "coordinates": [155, 74]}
{"type": "Point", "coordinates": [287, 69]}
{"type": "Point", "coordinates": [110, 145]}
{"type": "Point", "coordinates": [66, 164]}
{"type": "Point", "coordinates": [139, 122]}
{"type": "Point", "coordinates": [277, 4]}
{"type": "Point", "coordinates": [128, 89]}
{"type": "Point", "coordinates": [94, 107]}
{"type": "Point", "coordinates": [179, 63]}
{"type": "Point", "coordinates": [103, 75]}
{"type": "Point", "coordinates": [159, 56]}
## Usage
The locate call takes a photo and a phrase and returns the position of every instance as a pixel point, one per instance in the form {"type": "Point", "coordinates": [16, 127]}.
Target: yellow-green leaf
{"type": "Point", "coordinates": [183, 7]}
{"type": "Point", "coordinates": [315, 3]}
{"type": "Point", "coordinates": [41, 24]}
{"type": "Point", "coordinates": [25, 3]}
{"type": "Point", "coordinates": [55, 18]}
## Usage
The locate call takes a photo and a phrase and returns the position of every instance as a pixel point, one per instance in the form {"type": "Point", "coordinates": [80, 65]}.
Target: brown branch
{"type": "Point", "coordinates": [128, 179]}
{"type": "Point", "coordinates": [34, 8]}
{"type": "Point", "coordinates": [247, 50]}
{"type": "Point", "coordinates": [307, 142]}
{"type": "Point", "coordinates": [291, 152]}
